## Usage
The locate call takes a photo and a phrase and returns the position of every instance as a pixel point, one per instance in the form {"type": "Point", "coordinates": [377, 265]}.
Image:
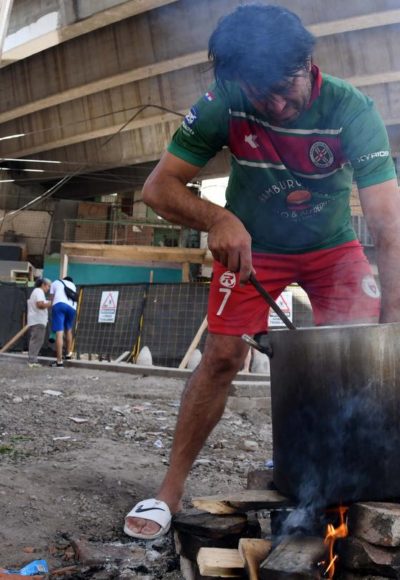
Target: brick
{"type": "Point", "coordinates": [260, 479]}
{"type": "Point", "coordinates": [362, 557]}
{"type": "Point", "coordinates": [375, 522]}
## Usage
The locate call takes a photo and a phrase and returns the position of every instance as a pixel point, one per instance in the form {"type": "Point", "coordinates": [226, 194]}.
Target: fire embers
{"type": "Point", "coordinates": [332, 534]}
{"type": "Point", "coordinates": [300, 547]}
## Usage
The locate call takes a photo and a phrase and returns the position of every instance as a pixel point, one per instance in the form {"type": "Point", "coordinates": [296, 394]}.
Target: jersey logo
{"type": "Point", "coordinates": [209, 96]}
{"type": "Point", "coordinates": [370, 287]}
{"type": "Point", "coordinates": [228, 279]}
{"type": "Point", "coordinates": [321, 155]}
{"type": "Point", "coordinates": [252, 141]}
{"type": "Point", "coordinates": [191, 117]}
{"type": "Point", "coordinates": [298, 198]}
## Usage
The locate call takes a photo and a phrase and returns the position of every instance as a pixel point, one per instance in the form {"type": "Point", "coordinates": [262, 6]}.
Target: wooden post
{"type": "Point", "coordinates": [63, 262]}
{"type": "Point", "coordinates": [185, 271]}
{"type": "Point", "coordinates": [194, 343]}
{"type": "Point", "coordinates": [14, 339]}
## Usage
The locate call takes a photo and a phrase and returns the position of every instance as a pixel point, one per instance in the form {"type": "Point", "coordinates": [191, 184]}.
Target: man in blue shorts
{"type": "Point", "coordinates": [63, 317]}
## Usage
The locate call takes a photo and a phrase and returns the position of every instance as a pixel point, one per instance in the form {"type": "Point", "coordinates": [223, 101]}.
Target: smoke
{"type": "Point", "coordinates": [348, 453]}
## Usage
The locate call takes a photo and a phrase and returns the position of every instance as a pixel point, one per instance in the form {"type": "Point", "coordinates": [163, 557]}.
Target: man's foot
{"type": "Point", "coordinates": [57, 364]}
{"type": "Point", "coordinates": [68, 356]}
{"type": "Point", "coordinates": [154, 526]}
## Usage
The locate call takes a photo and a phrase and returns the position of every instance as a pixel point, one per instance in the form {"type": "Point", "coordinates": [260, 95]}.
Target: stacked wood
{"type": "Point", "coordinates": [223, 539]}
{"type": "Point", "coordinates": [373, 544]}
{"type": "Point", "coordinates": [242, 501]}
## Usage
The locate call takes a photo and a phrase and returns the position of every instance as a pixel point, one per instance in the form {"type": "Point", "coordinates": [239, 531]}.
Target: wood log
{"type": "Point", "coordinates": [220, 562]}
{"type": "Point", "coordinates": [253, 551]}
{"type": "Point", "coordinates": [193, 531]}
{"type": "Point", "coordinates": [295, 558]}
{"type": "Point", "coordinates": [375, 522]}
{"type": "Point", "coordinates": [209, 525]}
{"type": "Point", "coordinates": [241, 501]}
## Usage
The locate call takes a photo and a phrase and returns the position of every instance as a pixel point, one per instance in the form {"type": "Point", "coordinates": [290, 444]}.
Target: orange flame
{"type": "Point", "coordinates": [332, 534]}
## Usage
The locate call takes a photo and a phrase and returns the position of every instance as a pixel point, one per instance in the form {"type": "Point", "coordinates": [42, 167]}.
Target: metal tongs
{"type": "Point", "coordinates": [257, 342]}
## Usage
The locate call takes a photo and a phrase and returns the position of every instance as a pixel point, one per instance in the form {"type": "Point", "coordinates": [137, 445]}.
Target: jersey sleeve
{"type": "Point", "coordinates": [204, 130]}
{"type": "Point", "coordinates": [367, 146]}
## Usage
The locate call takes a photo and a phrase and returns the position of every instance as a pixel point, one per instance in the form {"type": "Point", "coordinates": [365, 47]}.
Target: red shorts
{"type": "Point", "coordinates": [339, 283]}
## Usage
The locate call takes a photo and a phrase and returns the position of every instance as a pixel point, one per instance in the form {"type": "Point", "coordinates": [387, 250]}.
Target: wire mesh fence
{"type": "Point", "coordinates": [163, 317]}
{"type": "Point", "coordinates": [108, 339]}
{"type": "Point", "coordinates": [171, 318]}
{"type": "Point", "coordinates": [115, 319]}
{"type": "Point", "coordinates": [123, 232]}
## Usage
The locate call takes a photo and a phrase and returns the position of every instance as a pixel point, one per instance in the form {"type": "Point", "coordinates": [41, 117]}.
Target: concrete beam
{"type": "Point", "coordinates": [5, 13]}
{"type": "Point", "coordinates": [88, 22]}
{"type": "Point", "coordinates": [163, 66]}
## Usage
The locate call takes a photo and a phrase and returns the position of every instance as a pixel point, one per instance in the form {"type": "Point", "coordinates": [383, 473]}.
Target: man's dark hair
{"type": "Point", "coordinates": [259, 44]}
{"type": "Point", "coordinates": [68, 278]}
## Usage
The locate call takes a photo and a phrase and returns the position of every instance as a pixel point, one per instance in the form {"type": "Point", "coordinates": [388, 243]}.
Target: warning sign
{"type": "Point", "coordinates": [285, 303]}
{"type": "Point", "coordinates": [108, 306]}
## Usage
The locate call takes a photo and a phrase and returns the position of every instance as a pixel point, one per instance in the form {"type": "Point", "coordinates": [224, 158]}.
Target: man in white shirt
{"type": "Point", "coordinates": [63, 316]}
{"type": "Point", "coordinates": [38, 316]}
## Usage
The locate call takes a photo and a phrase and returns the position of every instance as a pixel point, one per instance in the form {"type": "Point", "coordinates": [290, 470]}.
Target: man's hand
{"type": "Point", "coordinates": [230, 244]}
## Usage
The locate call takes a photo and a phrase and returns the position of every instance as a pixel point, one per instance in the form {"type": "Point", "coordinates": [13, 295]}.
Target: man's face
{"type": "Point", "coordinates": [286, 101]}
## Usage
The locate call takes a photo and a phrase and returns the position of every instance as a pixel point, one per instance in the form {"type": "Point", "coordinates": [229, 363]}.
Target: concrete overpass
{"type": "Point", "coordinates": [99, 86]}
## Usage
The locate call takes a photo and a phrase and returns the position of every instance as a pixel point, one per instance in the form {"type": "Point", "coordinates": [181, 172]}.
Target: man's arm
{"type": "Point", "coordinates": [381, 207]}
{"type": "Point", "coordinates": [166, 193]}
{"type": "Point", "coordinates": [43, 304]}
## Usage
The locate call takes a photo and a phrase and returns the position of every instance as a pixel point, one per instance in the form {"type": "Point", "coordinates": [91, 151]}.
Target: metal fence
{"type": "Point", "coordinates": [122, 232]}
{"type": "Point", "coordinates": [163, 317]}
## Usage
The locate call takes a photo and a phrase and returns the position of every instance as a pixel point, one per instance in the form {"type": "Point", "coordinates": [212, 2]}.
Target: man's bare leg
{"type": "Point", "coordinates": [59, 345]}
{"type": "Point", "coordinates": [68, 341]}
{"type": "Point", "coordinates": [202, 405]}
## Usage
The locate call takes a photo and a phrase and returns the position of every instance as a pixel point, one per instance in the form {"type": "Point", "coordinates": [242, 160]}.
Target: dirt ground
{"type": "Point", "coordinates": [74, 460]}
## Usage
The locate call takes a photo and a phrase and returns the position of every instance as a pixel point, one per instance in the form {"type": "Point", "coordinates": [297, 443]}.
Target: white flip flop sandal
{"type": "Point", "coordinates": [153, 510]}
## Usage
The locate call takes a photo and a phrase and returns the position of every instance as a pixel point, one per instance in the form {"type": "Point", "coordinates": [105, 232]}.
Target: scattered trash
{"type": "Point", "coordinates": [269, 464]}
{"type": "Point", "coordinates": [125, 410]}
{"type": "Point", "coordinates": [194, 360]}
{"type": "Point", "coordinates": [144, 357]}
{"type": "Point", "coordinates": [62, 438]}
{"type": "Point", "coordinates": [248, 445]}
{"type": "Point", "coordinates": [35, 567]}
{"type": "Point", "coordinates": [52, 393]}
{"type": "Point", "coordinates": [78, 419]}
{"type": "Point", "coordinates": [17, 400]}
{"type": "Point", "coordinates": [159, 444]}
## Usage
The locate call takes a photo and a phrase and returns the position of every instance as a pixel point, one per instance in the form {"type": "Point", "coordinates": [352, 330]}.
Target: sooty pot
{"type": "Point", "coordinates": [336, 413]}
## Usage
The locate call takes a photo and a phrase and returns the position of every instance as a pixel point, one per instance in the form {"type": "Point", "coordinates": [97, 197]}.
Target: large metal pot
{"type": "Point", "coordinates": [336, 413]}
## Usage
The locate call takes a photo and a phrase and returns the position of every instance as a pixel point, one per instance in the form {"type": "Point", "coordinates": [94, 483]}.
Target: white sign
{"type": "Point", "coordinates": [285, 303]}
{"type": "Point", "coordinates": [108, 306]}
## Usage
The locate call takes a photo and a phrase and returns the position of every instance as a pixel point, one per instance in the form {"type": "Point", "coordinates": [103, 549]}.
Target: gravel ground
{"type": "Point", "coordinates": [79, 447]}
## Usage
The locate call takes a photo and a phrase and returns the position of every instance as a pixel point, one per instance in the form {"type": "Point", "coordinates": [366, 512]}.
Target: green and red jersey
{"type": "Point", "coordinates": [290, 186]}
